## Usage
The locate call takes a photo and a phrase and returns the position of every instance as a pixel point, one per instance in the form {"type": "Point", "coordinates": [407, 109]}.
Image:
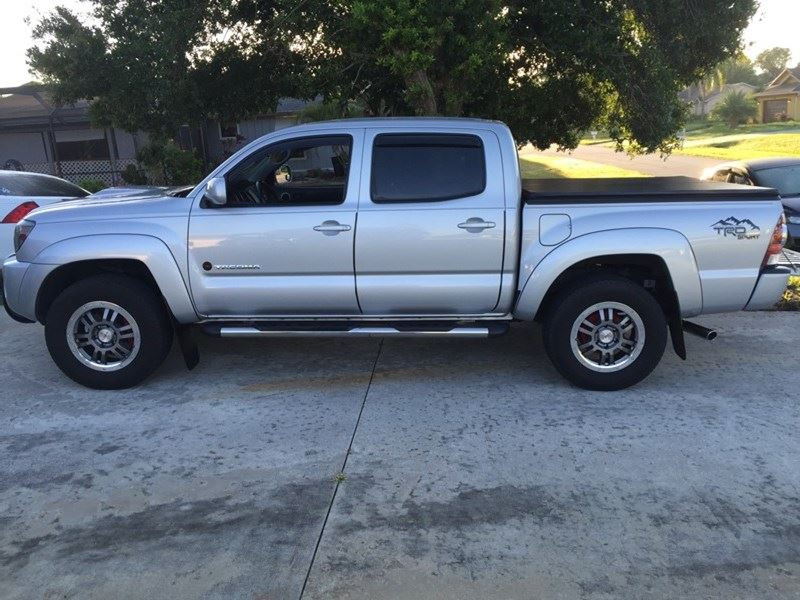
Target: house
{"type": "Point", "coordinates": [780, 101]}
{"type": "Point", "coordinates": [704, 102]}
{"type": "Point", "coordinates": [36, 135]}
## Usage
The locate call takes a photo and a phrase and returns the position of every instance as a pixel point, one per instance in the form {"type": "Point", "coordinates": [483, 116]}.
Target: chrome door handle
{"type": "Point", "coordinates": [476, 224]}
{"type": "Point", "coordinates": [331, 227]}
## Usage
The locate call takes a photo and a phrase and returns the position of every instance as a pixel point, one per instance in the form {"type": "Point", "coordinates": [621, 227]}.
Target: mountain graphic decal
{"type": "Point", "coordinates": [738, 228]}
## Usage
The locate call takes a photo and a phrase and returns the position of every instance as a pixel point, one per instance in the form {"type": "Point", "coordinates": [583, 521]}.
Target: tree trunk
{"type": "Point", "coordinates": [420, 92]}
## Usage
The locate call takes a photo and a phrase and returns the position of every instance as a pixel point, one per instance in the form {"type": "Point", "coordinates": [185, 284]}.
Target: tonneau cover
{"type": "Point", "coordinates": [638, 189]}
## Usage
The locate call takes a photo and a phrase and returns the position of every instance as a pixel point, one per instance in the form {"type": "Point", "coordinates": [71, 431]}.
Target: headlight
{"type": "Point", "coordinates": [21, 233]}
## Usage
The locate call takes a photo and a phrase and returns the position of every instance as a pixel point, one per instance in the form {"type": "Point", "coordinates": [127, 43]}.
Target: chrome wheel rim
{"type": "Point", "coordinates": [103, 336]}
{"type": "Point", "coordinates": [607, 336]}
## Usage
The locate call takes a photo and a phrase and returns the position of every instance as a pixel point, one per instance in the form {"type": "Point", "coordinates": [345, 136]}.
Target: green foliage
{"type": "Point", "coordinates": [92, 185]}
{"type": "Point", "coordinates": [773, 61]}
{"type": "Point", "coordinates": [166, 164]}
{"type": "Point", "coordinates": [735, 109]}
{"type": "Point", "coordinates": [739, 70]}
{"type": "Point", "coordinates": [154, 65]}
{"type": "Point", "coordinates": [327, 111]}
{"type": "Point", "coordinates": [133, 175]}
{"type": "Point", "coordinates": [550, 68]}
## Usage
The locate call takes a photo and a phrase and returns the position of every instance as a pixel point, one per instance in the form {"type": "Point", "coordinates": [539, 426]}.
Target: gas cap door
{"type": "Point", "coordinates": [554, 229]}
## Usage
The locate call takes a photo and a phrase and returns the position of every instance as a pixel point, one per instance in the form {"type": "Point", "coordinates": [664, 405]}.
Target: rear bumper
{"type": "Point", "coordinates": [769, 288]}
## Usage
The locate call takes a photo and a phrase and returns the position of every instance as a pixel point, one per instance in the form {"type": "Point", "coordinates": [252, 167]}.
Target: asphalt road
{"type": "Point", "coordinates": [651, 164]}
{"type": "Point", "coordinates": [472, 471]}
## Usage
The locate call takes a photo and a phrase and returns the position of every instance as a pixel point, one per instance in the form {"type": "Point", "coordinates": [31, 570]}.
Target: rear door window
{"type": "Point", "coordinates": [426, 167]}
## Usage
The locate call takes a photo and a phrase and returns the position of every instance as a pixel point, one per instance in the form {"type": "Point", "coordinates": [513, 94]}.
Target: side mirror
{"type": "Point", "coordinates": [215, 191]}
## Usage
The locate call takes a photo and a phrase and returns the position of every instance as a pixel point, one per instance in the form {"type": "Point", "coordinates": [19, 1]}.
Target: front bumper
{"type": "Point", "coordinates": [769, 288]}
{"type": "Point", "coordinates": [13, 276]}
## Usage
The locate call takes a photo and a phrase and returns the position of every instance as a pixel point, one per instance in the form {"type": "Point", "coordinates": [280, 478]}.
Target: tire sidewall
{"type": "Point", "coordinates": [567, 308]}
{"type": "Point", "coordinates": [136, 298]}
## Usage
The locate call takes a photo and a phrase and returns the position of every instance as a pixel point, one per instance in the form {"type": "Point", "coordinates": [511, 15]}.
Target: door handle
{"type": "Point", "coordinates": [476, 224]}
{"type": "Point", "coordinates": [331, 227]}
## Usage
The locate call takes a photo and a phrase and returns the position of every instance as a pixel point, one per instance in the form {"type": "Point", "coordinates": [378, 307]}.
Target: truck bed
{"type": "Point", "coordinates": [637, 190]}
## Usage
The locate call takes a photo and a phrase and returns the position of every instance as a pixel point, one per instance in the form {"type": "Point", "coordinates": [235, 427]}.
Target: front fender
{"type": "Point", "coordinates": [671, 246]}
{"type": "Point", "coordinates": [150, 251]}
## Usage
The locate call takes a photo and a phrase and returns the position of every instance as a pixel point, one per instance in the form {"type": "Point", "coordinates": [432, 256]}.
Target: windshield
{"type": "Point", "coordinates": [784, 179]}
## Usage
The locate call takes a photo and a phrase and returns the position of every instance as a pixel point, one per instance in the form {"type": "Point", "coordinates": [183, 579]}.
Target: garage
{"type": "Point", "coordinates": [775, 110]}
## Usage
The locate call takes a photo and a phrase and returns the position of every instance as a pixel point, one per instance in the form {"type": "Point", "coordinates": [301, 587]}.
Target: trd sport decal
{"type": "Point", "coordinates": [743, 229]}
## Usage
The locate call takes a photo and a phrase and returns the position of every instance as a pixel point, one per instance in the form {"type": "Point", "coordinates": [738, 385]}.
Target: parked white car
{"type": "Point", "coordinates": [22, 192]}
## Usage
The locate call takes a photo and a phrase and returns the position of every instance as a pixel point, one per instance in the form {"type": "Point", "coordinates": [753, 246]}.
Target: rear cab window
{"type": "Point", "coordinates": [426, 167]}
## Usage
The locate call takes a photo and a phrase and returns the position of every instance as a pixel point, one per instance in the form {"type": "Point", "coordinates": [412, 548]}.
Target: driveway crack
{"type": "Point", "coordinates": [342, 470]}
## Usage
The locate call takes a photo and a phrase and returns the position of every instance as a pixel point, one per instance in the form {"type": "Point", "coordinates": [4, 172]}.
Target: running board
{"type": "Point", "coordinates": [406, 330]}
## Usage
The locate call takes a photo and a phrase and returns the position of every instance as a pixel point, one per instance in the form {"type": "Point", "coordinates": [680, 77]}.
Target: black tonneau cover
{"type": "Point", "coordinates": [638, 189]}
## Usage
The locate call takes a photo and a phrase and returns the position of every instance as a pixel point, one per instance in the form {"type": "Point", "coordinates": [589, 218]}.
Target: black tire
{"type": "Point", "coordinates": [568, 306]}
{"type": "Point", "coordinates": [132, 295]}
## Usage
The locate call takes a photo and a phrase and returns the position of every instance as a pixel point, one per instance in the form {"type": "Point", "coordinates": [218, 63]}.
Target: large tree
{"type": "Point", "coordinates": [156, 64]}
{"type": "Point", "coordinates": [549, 68]}
{"type": "Point", "coordinates": [773, 61]}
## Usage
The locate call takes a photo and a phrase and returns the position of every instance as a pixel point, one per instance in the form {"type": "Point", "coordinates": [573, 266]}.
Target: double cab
{"type": "Point", "coordinates": [394, 227]}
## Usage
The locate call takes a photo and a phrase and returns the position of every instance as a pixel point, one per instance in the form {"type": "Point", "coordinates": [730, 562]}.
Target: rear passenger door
{"type": "Point", "coordinates": [431, 223]}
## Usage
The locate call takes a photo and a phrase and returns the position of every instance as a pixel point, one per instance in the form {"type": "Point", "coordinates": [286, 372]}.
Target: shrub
{"type": "Point", "coordinates": [166, 164]}
{"type": "Point", "coordinates": [133, 175]}
{"type": "Point", "coordinates": [791, 297]}
{"type": "Point", "coordinates": [736, 109]}
{"type": "Point", "coordinates": [92, 185]}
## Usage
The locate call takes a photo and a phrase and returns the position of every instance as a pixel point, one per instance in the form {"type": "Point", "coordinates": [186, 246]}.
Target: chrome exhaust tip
{"type": "Point", "coordinates": [699, 330]}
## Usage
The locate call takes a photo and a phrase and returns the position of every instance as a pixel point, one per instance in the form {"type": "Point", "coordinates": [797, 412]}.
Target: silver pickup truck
{"type": "Point", "coordinates": [394, 227]}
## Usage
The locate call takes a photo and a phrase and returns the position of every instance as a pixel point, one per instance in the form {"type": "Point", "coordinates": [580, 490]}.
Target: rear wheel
{"type": "Point", "coordinates": [108, 331]}
{"type": "Point", "coordinates": [606, 333]}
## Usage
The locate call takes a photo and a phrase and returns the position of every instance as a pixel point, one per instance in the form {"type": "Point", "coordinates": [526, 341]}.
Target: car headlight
{"type": "Point", "coordinates": [21, 233]}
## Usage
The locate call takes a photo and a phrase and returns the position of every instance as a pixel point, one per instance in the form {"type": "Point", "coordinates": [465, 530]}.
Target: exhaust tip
{"type": "Point", "coordinates": [699, 330]}
{"type": "Point", "coordinates": [712, 335]}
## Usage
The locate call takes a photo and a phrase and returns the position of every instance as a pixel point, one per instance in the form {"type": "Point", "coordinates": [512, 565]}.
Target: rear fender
{"type": "Point", "coordinates": [672, 247]}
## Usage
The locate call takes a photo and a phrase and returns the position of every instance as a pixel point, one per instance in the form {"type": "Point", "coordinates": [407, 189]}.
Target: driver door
{"type": "Point", "coordinates": [282, 244]}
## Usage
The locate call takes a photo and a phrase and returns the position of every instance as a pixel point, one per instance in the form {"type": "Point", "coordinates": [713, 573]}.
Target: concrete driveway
{"type": "Point", "coordinates": [472, 471]}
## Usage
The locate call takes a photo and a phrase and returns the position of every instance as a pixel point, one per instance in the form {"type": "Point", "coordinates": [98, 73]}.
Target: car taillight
{"type": "Point", "coordinates": [779, 235]}
{"type": "Point", "coordinates": [19, 213]}
{"type": "Point", "coordinates": [21, 233]}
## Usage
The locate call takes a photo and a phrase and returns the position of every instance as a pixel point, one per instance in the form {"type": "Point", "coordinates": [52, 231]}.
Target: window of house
{"type": "Point", "coordinates": [427, 167]}
{"type": "Point", "coordinates": [228, 131]}
{"type": "Point", "coordinates": [306, 171]}
{"type": "Point", "coordinates": [95, 149]}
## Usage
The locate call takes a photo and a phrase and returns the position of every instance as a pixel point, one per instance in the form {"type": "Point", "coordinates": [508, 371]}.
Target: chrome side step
{"type": "Point", "coordinates": [368, 332]}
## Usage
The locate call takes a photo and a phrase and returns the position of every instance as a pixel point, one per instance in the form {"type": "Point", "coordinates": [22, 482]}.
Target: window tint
{"type": "Point", "coordinates": [784, 179]}
{"type": "Point", "coordinates": [427, 167]}
{"type": "Point", "coordinates": [30, 184]}
{"type": "Point", "coordinates": [298, 172]}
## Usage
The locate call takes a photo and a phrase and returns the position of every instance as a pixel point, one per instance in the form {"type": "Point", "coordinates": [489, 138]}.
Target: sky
{"type": "Point", "coordinates": [775, 24]}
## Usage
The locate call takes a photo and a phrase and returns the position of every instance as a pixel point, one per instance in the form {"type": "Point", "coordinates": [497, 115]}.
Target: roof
{"type": "Point", "coordinates": [793, 71]}
{"type": "Point", "coordinates": [780, 90]}
{"type": "Point", "coordinates": [637, 189]}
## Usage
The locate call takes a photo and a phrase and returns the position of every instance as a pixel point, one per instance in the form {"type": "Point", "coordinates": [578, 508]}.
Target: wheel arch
{"type": "Point", "coordinates": [143, 257]}
{"type": "Point", "coordinates": [658, 255]}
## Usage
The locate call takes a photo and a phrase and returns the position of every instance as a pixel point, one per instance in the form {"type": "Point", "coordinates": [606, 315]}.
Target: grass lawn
{"type": "Point", "coordinates": [537, 166]}
{"type": "Point", "coordinates": [744, 146]}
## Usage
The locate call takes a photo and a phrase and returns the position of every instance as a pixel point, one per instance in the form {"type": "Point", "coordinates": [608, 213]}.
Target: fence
{"type": "Point", "coordinates": [78, 170]}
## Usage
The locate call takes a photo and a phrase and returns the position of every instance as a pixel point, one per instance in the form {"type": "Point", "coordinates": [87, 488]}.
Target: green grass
{"type": "Point", "coordinates": [536, 166]}
{"type": "Point", "coordinates": [744, 146]}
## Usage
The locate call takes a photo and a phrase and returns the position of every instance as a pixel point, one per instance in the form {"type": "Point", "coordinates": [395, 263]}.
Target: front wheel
{"type": "Point", "coordinates": [108, 331]}
{"type": "Point", "coordinates": [606, 333]}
